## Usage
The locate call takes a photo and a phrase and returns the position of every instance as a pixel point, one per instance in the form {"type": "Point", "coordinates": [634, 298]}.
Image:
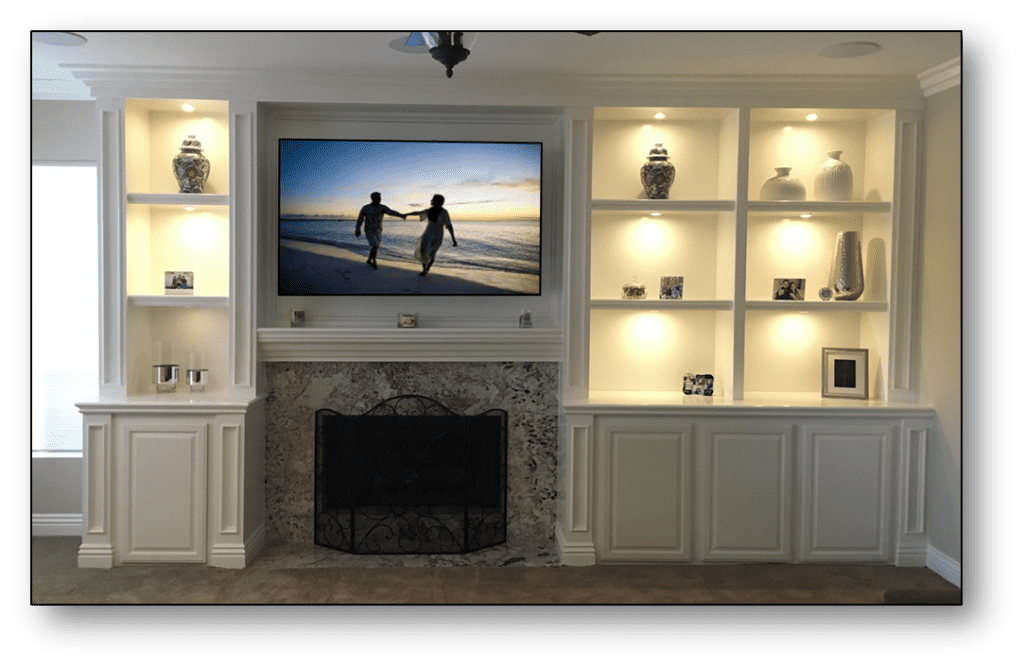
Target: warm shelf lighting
{"type": "Point", "coordinates": [812, 116]}
{"type": "Point", "coordinates": [805, 215]}
{"type": "Point", "coordinates": [659, 115]}
{"type": "Point", "coordinates": [187, 107]}
{"type": "Point", "coordinates": [655, 214]}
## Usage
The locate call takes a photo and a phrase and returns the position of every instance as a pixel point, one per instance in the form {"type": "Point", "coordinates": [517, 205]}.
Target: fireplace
{"type": "Point", "coordinates": [410, 476]}
{"type": "Point", "coordinates": [526, 391]}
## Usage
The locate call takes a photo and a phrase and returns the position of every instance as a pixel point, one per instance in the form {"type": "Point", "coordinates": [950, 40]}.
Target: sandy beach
{"type": "Point", "coordinates": [314, 268]}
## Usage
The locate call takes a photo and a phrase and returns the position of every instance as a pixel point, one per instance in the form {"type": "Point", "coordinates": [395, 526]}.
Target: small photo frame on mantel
{"type": "Point", "coordinates": [844, 372]}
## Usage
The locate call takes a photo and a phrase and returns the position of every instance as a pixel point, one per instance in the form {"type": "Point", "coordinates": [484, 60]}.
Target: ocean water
{"type": "Point", "coordinates": [505, 247]}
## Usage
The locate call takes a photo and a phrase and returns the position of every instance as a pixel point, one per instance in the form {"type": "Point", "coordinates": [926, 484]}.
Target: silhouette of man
{"type": "Point", "coordinates": [373, 216]}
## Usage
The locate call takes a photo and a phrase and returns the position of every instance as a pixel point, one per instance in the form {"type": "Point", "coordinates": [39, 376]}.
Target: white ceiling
{"type": "Point", "coordinates": [497, 54]}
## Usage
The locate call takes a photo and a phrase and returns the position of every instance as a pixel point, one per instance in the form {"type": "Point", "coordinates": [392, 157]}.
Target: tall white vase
{"type": "Point", "coordinates": [834, 181]}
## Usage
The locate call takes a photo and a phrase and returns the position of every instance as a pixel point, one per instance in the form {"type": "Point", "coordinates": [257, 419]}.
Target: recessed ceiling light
{"type": "Point", "coordinates": [659, 115]}
{"type": "Point", "coordinates": [59, 38]}
{"type": "Point", "coordinates": [187, 107]}
{"type": "Point", "coordinates": [812, 116]}
{"type": "Point", "coordinates": [414, 43]}
{"type": "Point", "coordinates": [849, 50]}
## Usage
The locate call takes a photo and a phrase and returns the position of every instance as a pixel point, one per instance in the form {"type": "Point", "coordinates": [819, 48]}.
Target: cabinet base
{"type": "Point", "coordinates": [238, 556]}
{"type": "Point", "coordinates": [96, 556]}
{"type": "Point", "coordinates": [574, 553]}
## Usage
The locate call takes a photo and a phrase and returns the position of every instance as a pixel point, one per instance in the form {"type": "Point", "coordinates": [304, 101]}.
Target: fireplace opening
{"type": "Point", "coordinates": [410, 476]}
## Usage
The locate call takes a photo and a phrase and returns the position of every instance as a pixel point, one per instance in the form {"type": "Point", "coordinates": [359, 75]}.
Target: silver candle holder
{"type": "Point", "coordinates": [165, 377]}
{"type": "Point", "coordinates": [197, 378]}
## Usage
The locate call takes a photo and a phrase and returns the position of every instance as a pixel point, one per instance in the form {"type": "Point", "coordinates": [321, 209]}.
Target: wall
{"type": "Point", "coordinates": [941, 317]}
{"type": "Point", "coordinates": [62, 131]}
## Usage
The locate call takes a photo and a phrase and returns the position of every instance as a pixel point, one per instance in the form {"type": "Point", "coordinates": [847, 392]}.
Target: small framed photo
{"type": "Point", "coordinates": [671, 287]}
{"type": "Point", "coordinates": [788, 289]}
{"type": "Point", "coordinates": [408, 321]}
{"type": "Point", "coordinates": [844, 373]}
{"type": "Point", "coordinates": [179, 283]}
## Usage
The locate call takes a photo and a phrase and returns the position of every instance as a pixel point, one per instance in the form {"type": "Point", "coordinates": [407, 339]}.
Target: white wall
{"type": "Point", "coordinates": [941, 316]}
{"type": "Point", "coordinates": [62, 131]}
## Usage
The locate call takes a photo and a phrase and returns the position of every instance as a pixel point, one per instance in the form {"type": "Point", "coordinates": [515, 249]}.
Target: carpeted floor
{"type": "Point", "coordinates": [286, 575]}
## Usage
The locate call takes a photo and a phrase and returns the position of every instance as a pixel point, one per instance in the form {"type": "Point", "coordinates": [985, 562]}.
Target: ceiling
{"type": "Point", "coordinates": [496, 54]}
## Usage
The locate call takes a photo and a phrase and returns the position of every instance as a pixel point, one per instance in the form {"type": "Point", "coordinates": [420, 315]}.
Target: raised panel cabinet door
{"type": "Point", "coordinates": [647, 493]}
{"type": "Point", "coordinates": [744, 492]}
{"type": "Point", "coordinates": [162, 488]}
{"type": "Point", "coordinates": [846, 492]}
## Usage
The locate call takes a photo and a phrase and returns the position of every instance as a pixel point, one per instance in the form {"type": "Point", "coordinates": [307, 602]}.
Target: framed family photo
{"type": "Point", "coordinates": [844, 373]}
{"type": "Point", "coordinates": [788, 289]}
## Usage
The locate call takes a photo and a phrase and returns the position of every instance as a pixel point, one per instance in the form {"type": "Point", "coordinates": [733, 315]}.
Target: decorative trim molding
{"type": "Point", "coordinates": [423, 344]}
{"type": "Point", "coordinates": [578, 554]}
{"type": "Point", "coordinates": [555, 90]}
{"type": "Point", "coordinates": [50, 525]}
{"type": "Point", "coordinates": [940, 78]}
{"type": "Point", "coordinates": [238, 556]}
{"type": "Point", "coordinates": [945, 566]}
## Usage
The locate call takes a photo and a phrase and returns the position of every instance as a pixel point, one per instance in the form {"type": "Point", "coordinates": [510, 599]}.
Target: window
{"type": "Point", "coordinates": [65, 302]}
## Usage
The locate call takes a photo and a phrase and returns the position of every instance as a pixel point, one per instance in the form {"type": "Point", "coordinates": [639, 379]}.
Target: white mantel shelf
{"type": "Point", "coordinates": [419, 344]}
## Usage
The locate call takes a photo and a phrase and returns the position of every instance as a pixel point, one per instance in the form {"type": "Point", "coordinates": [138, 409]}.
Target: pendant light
{"type": "Point", "coordinates": [449, 47]}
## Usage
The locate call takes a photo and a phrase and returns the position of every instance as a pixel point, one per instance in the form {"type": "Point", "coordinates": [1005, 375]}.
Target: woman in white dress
{"type": "Point", "coordinates": [433, 236]}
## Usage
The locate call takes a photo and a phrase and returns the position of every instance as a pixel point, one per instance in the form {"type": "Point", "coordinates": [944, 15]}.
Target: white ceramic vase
{"type": "Point", "coordinates": [834, 181]}
{"type": "Point", "coordinates": [783, 187]}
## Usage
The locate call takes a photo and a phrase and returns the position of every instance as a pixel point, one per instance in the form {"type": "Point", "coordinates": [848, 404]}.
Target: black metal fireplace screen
{"type": "Point", "coordinates": [410, 476]}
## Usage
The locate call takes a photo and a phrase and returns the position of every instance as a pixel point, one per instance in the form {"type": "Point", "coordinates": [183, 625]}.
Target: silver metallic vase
{"type": "Point", "coordinates": [191, 168]}
{"type": "Point", "coordinates": [846, 278]}
{"type": "Point", "coordinates": [657, 174]}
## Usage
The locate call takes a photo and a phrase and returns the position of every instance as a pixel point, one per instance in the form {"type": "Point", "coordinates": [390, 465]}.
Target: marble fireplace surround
{"type": "Point", "coordinates": [528, 391]}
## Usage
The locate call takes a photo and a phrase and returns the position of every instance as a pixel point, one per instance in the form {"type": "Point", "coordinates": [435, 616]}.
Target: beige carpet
{"type": "Point", "coordinates": [284, 574]}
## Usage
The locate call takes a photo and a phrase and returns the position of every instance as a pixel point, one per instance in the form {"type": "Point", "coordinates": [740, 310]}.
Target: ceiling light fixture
{"type": "Point", "coordinates": [58, 38]}
{"type": "Point", "coordinates": [449, 47]}
{"type": "Point", "coordinates": [659, 115]}
{"type": "Point", "coordinates": [812, 116]}
{"type": "Point", "coordinates": [849, 50]}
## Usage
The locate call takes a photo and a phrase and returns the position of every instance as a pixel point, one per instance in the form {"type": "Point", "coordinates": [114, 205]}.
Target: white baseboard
{"type": "Point", "coordinates": [945, 566]}
{"type": "Point", "coordinates": [62, 525]}
{"type": "Point", "coordinates": [577, 554]}
{"type": "Point", "coordinates": [238, 556]}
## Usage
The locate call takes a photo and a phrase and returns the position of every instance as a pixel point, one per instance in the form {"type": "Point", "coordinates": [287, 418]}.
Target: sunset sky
{"type": "Point", "coordinates": [480, 181]}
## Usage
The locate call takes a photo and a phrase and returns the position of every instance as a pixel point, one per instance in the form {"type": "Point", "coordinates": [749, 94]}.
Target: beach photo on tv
{"type": "Point", "coordinates": [490, 217]}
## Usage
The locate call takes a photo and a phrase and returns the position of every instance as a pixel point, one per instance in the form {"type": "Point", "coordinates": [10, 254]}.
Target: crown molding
{"type": "Point", "coordinates": [940, 78]}
{"type": "Point", "coordinates": [108, 81]}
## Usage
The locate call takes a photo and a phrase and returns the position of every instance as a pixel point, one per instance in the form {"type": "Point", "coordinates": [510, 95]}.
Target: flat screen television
{"type": "Point", "coordinates": [489, 243]}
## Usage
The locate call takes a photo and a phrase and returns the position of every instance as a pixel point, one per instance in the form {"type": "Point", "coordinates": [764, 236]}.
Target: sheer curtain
{"type": "Point", "coordinates": [65, 310]}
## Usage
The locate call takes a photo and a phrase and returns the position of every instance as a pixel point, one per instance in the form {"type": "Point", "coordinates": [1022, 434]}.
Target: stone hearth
{"type": "Point", "coordinates": [527, 391]}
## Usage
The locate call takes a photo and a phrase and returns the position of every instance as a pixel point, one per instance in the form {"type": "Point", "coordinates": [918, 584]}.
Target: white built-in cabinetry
{"type": "Point", "coordinates": [765, 469]}
{"type": "Point", "coordinates": [174, 477]}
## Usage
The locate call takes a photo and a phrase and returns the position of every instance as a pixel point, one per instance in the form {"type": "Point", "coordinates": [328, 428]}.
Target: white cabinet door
{"type": "Point", "coordinates": [846, 507]}
{"type": "Point", "coordinates": [644, 505]}
{"type": "Point", "coordinates": [161, 491]}
{"type": "Point", "coordinates": [745, 490]}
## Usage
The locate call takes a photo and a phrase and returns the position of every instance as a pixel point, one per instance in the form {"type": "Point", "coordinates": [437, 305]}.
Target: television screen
{"type": "Point", "coordinates": [360, 217]}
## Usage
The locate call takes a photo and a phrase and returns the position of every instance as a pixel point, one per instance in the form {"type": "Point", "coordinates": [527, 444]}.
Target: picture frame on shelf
{"type": "Point", "coordinates": [844, 372]}
{"type": "Point", "coordinates": [179, 283]}
{"type": "Point", "coordinates": [788, 289]}
{"type": "Point", "coordinates": [671, 287]}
